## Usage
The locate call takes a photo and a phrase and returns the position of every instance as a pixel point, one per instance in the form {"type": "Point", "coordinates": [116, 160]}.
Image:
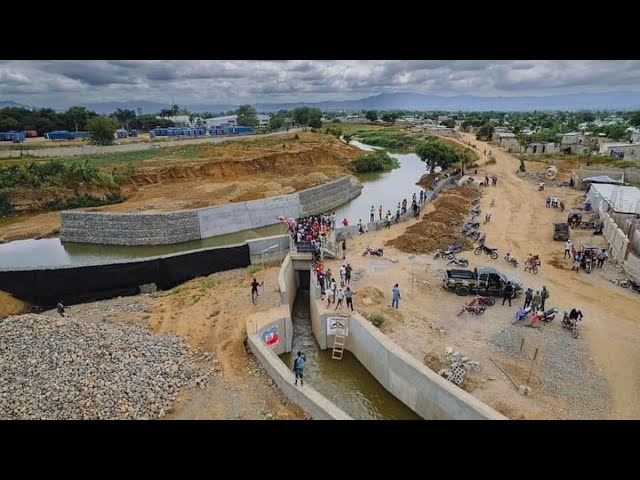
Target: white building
{"type": "Point", "coordinates": [228, 120]}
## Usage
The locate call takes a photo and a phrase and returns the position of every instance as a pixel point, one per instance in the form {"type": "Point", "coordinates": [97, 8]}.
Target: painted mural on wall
{"type": "Point", "coordinates": [337, 325]}
{"type": "Point", "coordinates": [271, 336]}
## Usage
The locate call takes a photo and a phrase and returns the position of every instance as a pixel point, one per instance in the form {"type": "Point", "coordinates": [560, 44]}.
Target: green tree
{"type": "Point", "coordinates": [485, 132]}
{"type": "Point", "coordinates": [634, 119]}
{"type": "Point", "coordinates": [175, 110]}
{"type": "Point", "coordinates": [301, 116]}
{"type": "Point", "coordinates": [102, 130]}
{"type": "Point", "coordinates": [165, 113]}
{"type": "Point", "coordinates": [371, 115]}
{"type": "Point", "coordinates": [247, 116]}
{"type": "Point", "coordinates": [451, 123]}
{"type": "Point", "coordinates": [276, 122]}
{"type": "Point", "coordinates": [389, 117]}
{"type": "Point", "coordinates": [347, 138]}
{"type": "Point", "coordinates": [435, 153]}
{"type": "Point", "coordinates": [77, 116]}
{"type": "Point", "coordinates": [124, 116]}
{"type": "Point", "coordinates": [592, 147]}
{"type": "Point", "coordinates": [315, 122]}
{"type": "Point", "coordinates": [9, 123]}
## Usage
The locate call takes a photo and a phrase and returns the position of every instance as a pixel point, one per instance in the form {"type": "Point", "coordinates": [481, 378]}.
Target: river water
{"type": "Point", "coordinates": [345, 382]}
{"type": "Point", "coordinates": [386, 189]}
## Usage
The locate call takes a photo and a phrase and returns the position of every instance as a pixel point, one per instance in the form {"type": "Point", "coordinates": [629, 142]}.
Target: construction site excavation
{"type": "Point", "coordinates": [313, 275]}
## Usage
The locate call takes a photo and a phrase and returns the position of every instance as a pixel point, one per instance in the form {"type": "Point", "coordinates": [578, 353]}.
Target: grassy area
{"type": "Point", "coordinates": [559, 158]}
{"type": "Point", "coordinates": [392, 139]}
{"type": "Point", "coordinates": [379, 161]}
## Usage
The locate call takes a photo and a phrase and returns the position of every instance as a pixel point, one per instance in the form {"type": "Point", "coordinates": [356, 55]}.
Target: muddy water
{"type": "Point", "coordinates": [52, 252]}
{"type": "Point", "coordinates": [345, 382]}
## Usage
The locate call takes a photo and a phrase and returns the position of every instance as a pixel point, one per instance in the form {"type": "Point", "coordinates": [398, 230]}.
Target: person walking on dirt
{"type": "Point", "coordinates": [344, 249]}
{"type": "Point", "coordinates": [380, 210]}
{"type": "Point", "coordinates": [577, 261]}
{"type": "Point", "coordinates": [528, 296]}
{"type": "Point", "coordinates": [396, 296]}
{"type": "Point", "coordinates": [388, 225]}
{"type": "Point", "coordinates": [495, 181]}
{"type": "Point", "coordinates": [254, 289]}
{"type": "Point", "coordinates": [602, 256]}
{"type": "Point", "coordinates": [349, 296]}
{"type": "Point", "coordinates": [548, 201]}
{"type": "Point", "coordinates": [347, 274]}
{"type": "Point", "coordinates": [339, 296]}
{"type": "Point", "coordinates": [331, 294]}
{"type": "Point", "coordinates": [536, 301]}
{"type": "Point", "coordinates": [373, 214]}
{"type": "Point", "coordinates": [398, 216]}
{"type": "Point", "coordinates": [298, 368]}
{"type": "Point", "coordinates": [486, 180]}
{"type": "Point", "coordinates": [343, 273]}
{"type": "Point", "coordinates": [421, 197]}
{"type": "Point", "coordinates": [508, 293]}
{"type": "Point", "coordinates": [60, 308]}
{"type": "Point", "coordinates": [404, 205]}
{"type": "Point", "coordinates": [544, 294]}
{"type": "Point", "coordinates": [567, 249]}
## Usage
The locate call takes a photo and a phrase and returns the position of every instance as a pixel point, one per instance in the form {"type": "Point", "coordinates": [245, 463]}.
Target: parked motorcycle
{"type": "Point", "coordinates": [467, 225]}
{"type": "Point", "coordinates": [473, 308]}
{"type": "Point", "coordinates": [486, 301]}
{"type": "Point", "coordinates": [521, 314]}
{"type": "Point", "coordinates": [630, 283]}
{"type": "Point", "coordinates": [493, 202]}
{"type": "Point", "coordinates": [475, 201]}
{"type": "Point", "coordinates": [511, 259]}
{"type": "Point", "coordinates": [491, 251]}
{"type": "Point", "coordinates": [548, 315]}
{"type": "Point", "coordinates": [570, 325]}
{"type": "Point", "coordinates": [372, 251]}
{"type": "Point", "coordinates": [475, 211]}
{"type": "Point", "coordinates": [449, 253]}
{"type": "Point", "coordinates": [540, 186]}
{"type": "Point", "coordinates": [487, 218]}
{"type": "Point", "coordinates": [459, 262]}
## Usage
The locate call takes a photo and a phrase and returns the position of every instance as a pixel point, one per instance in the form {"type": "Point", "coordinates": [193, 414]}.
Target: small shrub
{"type": "Point", "coordinates": [253, 269]}
{"type": "Point", "coordinates": [296, 137]}
{"type": "Point", "coordinates": [377, 319]}
{"type": "Point", "coordinates": [491, 161]}
{"type": "Point", "coordinates": [374, 162]}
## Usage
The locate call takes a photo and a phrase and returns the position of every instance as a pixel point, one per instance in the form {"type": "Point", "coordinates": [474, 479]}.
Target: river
{"type": "Point", "coordinates": [386, 189]}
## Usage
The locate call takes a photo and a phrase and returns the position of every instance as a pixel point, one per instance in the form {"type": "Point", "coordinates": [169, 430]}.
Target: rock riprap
{"type": "Point", "coordinates": [64, 369]}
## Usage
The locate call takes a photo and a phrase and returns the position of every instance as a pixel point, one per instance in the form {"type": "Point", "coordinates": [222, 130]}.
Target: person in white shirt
{"type": "Point", "coordinates": [567, 249]}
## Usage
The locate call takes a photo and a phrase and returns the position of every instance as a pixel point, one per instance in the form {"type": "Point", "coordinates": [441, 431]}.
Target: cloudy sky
{"type": "Point", "coordinates": [61, 83]}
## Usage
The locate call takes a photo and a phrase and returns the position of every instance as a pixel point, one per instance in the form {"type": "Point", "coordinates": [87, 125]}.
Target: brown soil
{"type": "Point", "coordinates": [211, 174]}
{"type": "Point", "coordinates": [12, 306]}
{"type": "Point", "coordinates": [210, 313]}
{"type": "Point", "coordinates": [434, 231]}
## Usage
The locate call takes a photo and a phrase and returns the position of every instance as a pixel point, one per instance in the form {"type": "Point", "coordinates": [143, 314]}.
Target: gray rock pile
{"type": "Point", "coordinates": [64, 369]}
{"type": "Point", "coordinates": [460, 365]}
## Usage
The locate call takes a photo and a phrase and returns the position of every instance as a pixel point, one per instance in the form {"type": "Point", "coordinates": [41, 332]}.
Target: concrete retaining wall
{"type": "Point", "coordinates": [618, 241]}
{"type": "Point", "coordinates": [182, 226]}
{"type": "Point", "coordinates": [235, 217]}
{"type": "Point", "coordinates": [287, 282]}
{"type": "Point", "coordinates": [307, 398]}
{"type": "Point", "coordinates": [632, 266]}
{"type": "Point", "coordinates": [258, 245]}
{"type": "Point", "coordinates": [425, 392]}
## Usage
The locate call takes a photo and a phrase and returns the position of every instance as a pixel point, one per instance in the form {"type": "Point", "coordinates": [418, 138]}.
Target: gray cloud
{"type": "Point", "coordinates": [60, 83]}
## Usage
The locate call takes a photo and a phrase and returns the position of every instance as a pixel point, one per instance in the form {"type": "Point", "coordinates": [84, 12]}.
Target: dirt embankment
{"type": "Point", "coordinates": [12, 306]}
{"type": "Point", "coordinates": [435, 231]}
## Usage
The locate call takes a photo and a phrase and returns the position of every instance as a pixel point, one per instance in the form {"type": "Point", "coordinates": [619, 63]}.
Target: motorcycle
{"type": "Point", "coordinates": [491, 251]}
{"type": "Point", "coordinates": [475, 201]}
{"type": "Point", "coordinates": [532, 265]}
{"type": "Point", "coordinates": [548, 315]}
{"type": "Point", "coordinates": [467, 225]}
{"type": "Point", "coordinates": [570, 325]}
{"type": "Point", "coordinates": [485, 301]}
{"type": "Point", "coordinates": [493, 202]}
{"type": "Point", "coordinates": [475, 211]}
{"type": "Point", "coordinates": [541, 186]}
{"type": "Point", "coordinates": [372, 251]}
{"type": "Point", "coordinates": [449, 253]}
{"type": "Point", "coordinates": [511, 259]}
{"type": "Point", "coordinates": [487, 218]}
{"type": "Point", "coordinates": [585, 225]}
{"type": "Point", "coordinates": [459, 262]}
{"type": "Point", "coordinates": [630, 283]}
{"type": "Point", "coordinates": [473, 308]}
{"type": "Point", "coordinates": [521, 314]}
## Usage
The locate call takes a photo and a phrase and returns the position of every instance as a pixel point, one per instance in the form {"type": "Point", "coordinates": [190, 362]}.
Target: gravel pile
{"type": "Point", "coordinates": [540, 177]}
{"type": "Point", "coordinates": [563, 370]}
{"type": "Point", "coordinates": [64, 369]}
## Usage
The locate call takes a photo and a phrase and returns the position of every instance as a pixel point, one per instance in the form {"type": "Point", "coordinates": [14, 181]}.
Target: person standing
{"type": "Point", "coordinates": [567, 249]}
{"type": "Point", "coordinates": [298, 368]}
{"type": "Point", "coordinates": [254, 289]}
{"type": "Point", "coordinates": [577, 261]}
{"type": "Point", "coordinates": [548, 201]}
{"type": "Point", "coordinates": [373, 214]}
{"type": "Point", "coordinates": [544, 294]}
{"type": "Point", "coordinates": [602, 256]}
{"type": "Point", "coordinates": [396, 296]}
{"type": "Point", "coordinates": [343, 273]}
{"type": "Point", "coordinates": [344, 248]}
{"type": "Point", "coordinates": [60, 308]}
{"type": "Point", "coordinates": [334, 288]}
{"type": "Point", "coordinates": [339, 296]}
{"type": "Point", "coordinates": [380, 210]}
{"type": "Point", "coordinates": [528, 296]}
{"type": "Point", "coordinates": [347, 274]}
{"type": "Point", "coordinates": [388, 225]}
{"type": "Point", "coordinates": [508, 293]}
{"type": "Point", "coordinates": [349, 296]}
{"type": "Point", "coordinates": [536, 301]}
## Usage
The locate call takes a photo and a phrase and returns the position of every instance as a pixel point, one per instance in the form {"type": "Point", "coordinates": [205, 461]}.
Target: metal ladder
{"type": "Point", "coordinates": [340, 340]}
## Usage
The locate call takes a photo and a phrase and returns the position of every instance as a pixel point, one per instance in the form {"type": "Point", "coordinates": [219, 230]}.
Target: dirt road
{"type": "Point", "coordinates": [612, 324]}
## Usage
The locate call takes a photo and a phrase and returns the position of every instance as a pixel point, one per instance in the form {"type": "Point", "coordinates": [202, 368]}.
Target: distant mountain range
{"type": "Point", "coordinates": [408, 101]}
